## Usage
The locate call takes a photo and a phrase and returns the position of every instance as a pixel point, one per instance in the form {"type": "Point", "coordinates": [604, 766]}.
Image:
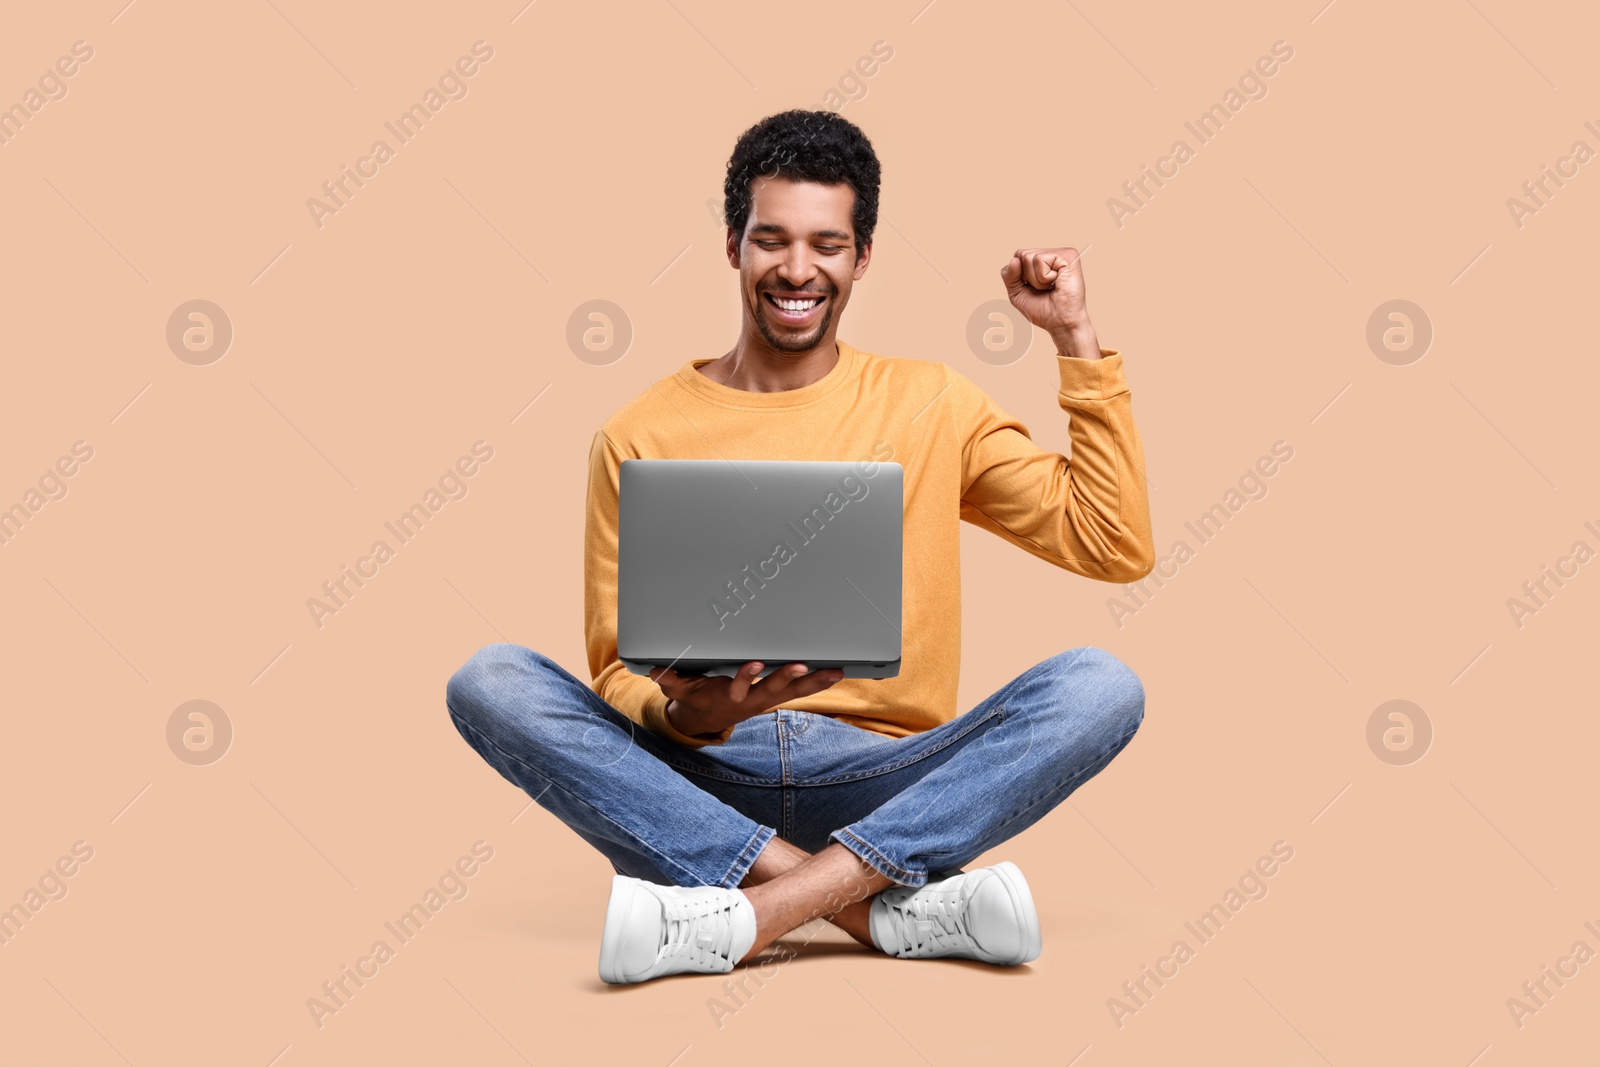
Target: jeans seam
{"type": "Point", "coordinates": [1071, 784]}
{"type": "Point", "coordinates": [997, 712]}
{"type": "Point", "coordinates": [786, 782]}
{"type": "Point", "coordinates": [753, 849]}
{"type": "Point", "coordinates": [730, 778]}
{"type": "Point", "coordinates": [1005, 690]}
{"type": "Point", "coordinates": [899, 874]}
{"type": "Point", "coordinates": [1065, 788]}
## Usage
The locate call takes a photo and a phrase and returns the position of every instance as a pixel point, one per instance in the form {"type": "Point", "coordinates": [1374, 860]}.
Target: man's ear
{"type": "Point", "coordinates": [732, 245]}
{"type": "Point", "coordinates": [863, 260]}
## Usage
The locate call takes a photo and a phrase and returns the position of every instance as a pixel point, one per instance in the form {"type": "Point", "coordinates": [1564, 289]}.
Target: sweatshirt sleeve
{"type": "Point", "coordinates": [1089, 514]}
{"type": "Point", "coordinates": [637, 697]}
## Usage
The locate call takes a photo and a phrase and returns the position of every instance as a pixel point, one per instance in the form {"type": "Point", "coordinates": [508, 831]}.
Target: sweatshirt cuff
{"type": "Point", "coordinates": [656, 721]}
{"type": "Point", "coordinates": [1092, 379]}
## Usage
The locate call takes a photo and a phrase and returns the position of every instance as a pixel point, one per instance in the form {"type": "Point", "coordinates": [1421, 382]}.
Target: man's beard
{"type": "Point", "coordinates": [789, 341]}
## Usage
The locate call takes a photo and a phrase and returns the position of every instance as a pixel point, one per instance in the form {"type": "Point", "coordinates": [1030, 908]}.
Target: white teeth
{"type": "Point", "coordinates": [797, 305]}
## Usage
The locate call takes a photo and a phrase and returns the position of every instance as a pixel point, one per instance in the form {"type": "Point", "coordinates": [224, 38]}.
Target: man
{"type": "Point", "coordinates": [735, 810]}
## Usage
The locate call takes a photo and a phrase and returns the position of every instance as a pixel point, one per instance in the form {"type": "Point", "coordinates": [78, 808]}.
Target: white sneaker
{"type": "Point", "coordinates": [652, 930]}
{"type": "Point", "coordinates": [986, 914]}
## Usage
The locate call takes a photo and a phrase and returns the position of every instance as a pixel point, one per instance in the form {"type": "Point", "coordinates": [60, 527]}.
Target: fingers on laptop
{"type": "Point", "coordinates": [743, 680]}
{"type": "Point", "coordinates": [815, 681]}
{"type": "Point", "coordinates": [784, 677]}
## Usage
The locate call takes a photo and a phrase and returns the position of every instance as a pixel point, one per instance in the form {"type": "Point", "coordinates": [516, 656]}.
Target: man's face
{"type": "Point", "coordinates": [798, 244]}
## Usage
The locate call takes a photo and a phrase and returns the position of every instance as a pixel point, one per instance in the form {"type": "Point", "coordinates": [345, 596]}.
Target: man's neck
{"type": "Point", "coordinates": [758, 369]}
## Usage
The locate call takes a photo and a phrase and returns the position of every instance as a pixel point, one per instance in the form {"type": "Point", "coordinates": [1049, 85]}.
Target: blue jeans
{"type": "Point", "coordinates": [913, 808]}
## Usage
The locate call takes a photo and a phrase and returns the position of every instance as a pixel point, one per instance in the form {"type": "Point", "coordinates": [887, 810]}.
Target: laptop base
{"type": "Point", "coordinates": [719, 669]}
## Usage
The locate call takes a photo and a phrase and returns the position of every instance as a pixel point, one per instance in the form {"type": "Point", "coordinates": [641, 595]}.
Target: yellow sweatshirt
{"type": "Point", "coordinates": [964, 458]}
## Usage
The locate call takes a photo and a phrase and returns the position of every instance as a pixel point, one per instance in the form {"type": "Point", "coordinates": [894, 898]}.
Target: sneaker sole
{"type": "Point", "coordinates": [1032, 940]}
{"type": "Point", "coordinates": [623, 891]}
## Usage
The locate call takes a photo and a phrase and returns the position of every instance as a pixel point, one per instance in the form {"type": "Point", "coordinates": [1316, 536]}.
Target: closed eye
{"type": "Point", "coordinates": [829, 249]}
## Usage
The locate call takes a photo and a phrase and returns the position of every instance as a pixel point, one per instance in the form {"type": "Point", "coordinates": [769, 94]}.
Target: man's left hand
{"type": "Point", "coordinates": [1046, 285]}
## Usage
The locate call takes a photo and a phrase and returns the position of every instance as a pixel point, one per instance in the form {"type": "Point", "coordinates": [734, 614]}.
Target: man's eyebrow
{"type": "Point", "coordinates": [773, 227]}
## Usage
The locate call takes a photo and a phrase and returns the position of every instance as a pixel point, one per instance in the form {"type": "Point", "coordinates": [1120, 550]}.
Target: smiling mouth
{"type": "Point", "coordinates": [794, 311]}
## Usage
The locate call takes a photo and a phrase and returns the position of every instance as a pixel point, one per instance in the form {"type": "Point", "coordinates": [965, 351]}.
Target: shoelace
{"type": "Point", "coordinates": [936, 921]}
{"type": "Point", "coordinates": [699, 930]}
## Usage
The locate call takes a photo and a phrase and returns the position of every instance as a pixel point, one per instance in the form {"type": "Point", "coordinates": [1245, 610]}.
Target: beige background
{"type": "Point", "coordinates": [432, 310]}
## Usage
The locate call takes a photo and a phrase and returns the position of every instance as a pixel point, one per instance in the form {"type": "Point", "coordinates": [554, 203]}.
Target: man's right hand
{"type": "Point", "coordinates": [708, 705]}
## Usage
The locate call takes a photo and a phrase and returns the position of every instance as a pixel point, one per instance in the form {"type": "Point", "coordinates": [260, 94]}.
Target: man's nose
{"type": "Point", "coordinates": [799, 268]}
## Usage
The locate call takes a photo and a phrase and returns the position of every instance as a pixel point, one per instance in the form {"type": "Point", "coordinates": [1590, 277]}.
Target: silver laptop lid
{"type": "Point", "coordinates": [785, 561]}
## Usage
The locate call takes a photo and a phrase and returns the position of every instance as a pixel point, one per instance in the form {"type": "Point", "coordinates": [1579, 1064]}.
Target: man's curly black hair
{"type": "Point", "coordinates": [810, 146]}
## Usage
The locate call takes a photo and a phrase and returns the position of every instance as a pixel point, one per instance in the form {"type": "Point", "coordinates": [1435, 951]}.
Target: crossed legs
{"type": "Point", "coordinates": [955, 792]}
{"type": "Point", "coordinates": [789, 887]}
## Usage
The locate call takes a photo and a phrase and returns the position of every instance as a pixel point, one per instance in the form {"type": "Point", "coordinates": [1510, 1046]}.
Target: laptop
{"type": "Point", "coordinates": [721, 562]}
